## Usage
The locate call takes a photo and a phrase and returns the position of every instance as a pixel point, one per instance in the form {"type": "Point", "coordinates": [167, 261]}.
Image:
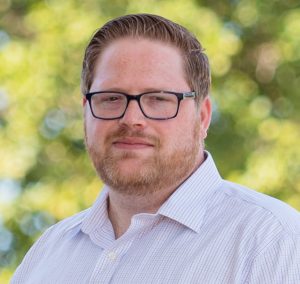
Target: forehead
{"type": "Point", "coordinates": [141, 59]}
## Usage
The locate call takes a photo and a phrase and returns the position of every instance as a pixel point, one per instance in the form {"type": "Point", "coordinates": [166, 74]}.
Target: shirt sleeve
{"type": "Point", "coordinates": [279, 263]}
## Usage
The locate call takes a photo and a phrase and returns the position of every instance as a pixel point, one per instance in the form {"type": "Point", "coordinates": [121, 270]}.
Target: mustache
{"type": "Point", "coordinates": [130, 133]}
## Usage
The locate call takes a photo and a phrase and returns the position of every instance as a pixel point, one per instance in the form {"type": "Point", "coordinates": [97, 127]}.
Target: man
{"type": "Point", "coordinates": [165, 214]}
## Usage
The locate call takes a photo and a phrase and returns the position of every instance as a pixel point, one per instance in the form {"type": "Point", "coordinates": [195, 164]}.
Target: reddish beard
{"type": "Point", "coordinates": [162, 169]}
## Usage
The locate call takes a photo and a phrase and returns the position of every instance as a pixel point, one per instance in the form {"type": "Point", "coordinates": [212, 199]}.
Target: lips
{"type": "Point", "coordinates": [132, 143]}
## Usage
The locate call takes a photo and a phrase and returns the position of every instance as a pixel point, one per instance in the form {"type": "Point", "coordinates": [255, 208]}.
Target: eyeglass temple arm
{"type": "Point", "coordinates": [189, 95]}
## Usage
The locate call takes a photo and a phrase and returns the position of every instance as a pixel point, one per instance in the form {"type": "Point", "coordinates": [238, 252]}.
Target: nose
{"type": "Point", "coordinates": [133, 116]}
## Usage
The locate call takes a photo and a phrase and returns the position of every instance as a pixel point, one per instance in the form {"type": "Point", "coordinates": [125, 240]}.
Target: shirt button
{"type": "Point", "coordinates": [112, 255]}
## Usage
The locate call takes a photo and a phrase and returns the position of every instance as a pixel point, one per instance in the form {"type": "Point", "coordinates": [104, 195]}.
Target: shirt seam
{"type": "Point", "coordinates": [267, 211]}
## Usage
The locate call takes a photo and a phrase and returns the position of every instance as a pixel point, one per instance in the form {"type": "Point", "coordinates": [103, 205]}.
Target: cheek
{"type": "Point", "coordinates": [188, 134]}
{"type": "Point", "coordinates": [170, 136]}
{"type": "Point", "coordinates": [94, 130]}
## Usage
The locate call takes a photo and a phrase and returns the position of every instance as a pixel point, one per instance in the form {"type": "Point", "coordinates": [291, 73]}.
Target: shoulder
{"type": "Point", "coordinates": [264, 207]}
{"type": "Point", "coordinates": [73, 220]}
{"type": "Point", "coordinates": [55, 237]}
{"type": "Point", "coordinates": [68, 226]}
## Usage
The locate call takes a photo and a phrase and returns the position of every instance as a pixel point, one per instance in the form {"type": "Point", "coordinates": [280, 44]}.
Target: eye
{"type": "Point", "coordinates": [111, 98]}
{"type": "Point", "coordinates": [159, 98]}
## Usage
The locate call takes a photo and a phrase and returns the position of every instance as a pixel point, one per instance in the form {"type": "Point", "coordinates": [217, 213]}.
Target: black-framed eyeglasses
{"type": "Point", "coordinates": [158, 105]}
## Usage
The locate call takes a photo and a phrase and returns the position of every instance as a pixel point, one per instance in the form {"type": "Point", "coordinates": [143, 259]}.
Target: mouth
{"type": "Point", "coordinates": [132, 143]}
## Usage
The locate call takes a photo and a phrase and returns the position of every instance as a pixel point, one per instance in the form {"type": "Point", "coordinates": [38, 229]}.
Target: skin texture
{"type": "Point", "coordinates": [143, 160]}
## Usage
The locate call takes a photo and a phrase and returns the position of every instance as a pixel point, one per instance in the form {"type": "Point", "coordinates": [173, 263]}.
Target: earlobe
{"type": "Point", "coordinates": [84, 101]}
{"type": "Point", "coordinates": [205, 115]}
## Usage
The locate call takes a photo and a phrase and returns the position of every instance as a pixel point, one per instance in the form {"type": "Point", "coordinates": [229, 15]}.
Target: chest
{"type": "Point", "coordinates": [151, 257]}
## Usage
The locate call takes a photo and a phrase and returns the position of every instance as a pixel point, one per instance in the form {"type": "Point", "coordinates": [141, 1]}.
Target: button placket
{"type": "Point", "coordinates": [109, 261]}
{"type": "Point", "coordinates": [112, 255]}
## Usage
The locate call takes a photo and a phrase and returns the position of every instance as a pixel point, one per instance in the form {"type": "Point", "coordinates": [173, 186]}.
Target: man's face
{"type": "Point", "coordinates": [134, 154]}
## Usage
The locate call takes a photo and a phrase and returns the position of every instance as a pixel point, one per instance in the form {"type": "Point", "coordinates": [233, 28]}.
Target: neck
{"type": "Point", "coordinates": [122, 207]}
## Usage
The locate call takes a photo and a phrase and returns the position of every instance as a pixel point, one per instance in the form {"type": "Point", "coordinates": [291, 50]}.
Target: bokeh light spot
{"type": "Point", "coordinates": [247, 13]}
{"type": "Point", "coordinates": [34, 223]}
{"type": "Point", "coordinates": [6, 238]}
{"type": "Point", "coordinates": [4, 39]}
{"type": "Point", "coordinates": [3, 101]}
{"type": "Point", "coordinates": [9, 190]}
{"type": "Point", "coordinates": [261, 107]}
{"type": "Point", "coordinates": [53, 124]}
{"type": "Point", "coordinates": [269, 129]}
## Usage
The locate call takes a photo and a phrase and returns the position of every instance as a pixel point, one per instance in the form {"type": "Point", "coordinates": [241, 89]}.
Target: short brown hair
{"type": "Point", "coordinates": [155, 28]}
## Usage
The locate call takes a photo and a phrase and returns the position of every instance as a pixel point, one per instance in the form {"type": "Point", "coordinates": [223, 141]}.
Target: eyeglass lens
{"type": "Point", "coordinates": [154, 105]}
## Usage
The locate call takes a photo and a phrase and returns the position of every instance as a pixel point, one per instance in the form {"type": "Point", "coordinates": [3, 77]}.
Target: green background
{"type": "Point", "coordinates": [45, 174]}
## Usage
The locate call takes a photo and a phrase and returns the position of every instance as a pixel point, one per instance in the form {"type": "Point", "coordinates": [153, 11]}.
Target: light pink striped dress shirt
{"type": "Point", "coordinates": [209, 231]}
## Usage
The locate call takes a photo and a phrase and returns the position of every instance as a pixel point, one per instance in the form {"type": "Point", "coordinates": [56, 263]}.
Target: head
{"type": "Point", "coordinates": [135, 54]}
{"type": "Point", "coordinates": [152, 27]}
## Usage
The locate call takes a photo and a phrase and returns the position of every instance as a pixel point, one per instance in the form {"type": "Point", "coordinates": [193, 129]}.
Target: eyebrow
{"type": "Point", "coordinates": [121, 90]}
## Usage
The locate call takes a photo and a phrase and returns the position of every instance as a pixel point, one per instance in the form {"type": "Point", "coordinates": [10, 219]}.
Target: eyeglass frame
{"type": "Point", "coordinates": [180, 96]}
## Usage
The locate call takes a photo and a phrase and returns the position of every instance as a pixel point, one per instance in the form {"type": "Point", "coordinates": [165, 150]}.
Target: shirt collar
{"type": "Point", "coordinates": [97, 215]}
{"type": "Point", "coordinates": [187, 205]}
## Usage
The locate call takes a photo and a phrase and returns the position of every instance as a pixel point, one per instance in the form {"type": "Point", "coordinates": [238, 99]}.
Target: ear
{"type": "Point", "coordinates": [84, 100]}
{"type": "Point", "coordinates": [205, 116]}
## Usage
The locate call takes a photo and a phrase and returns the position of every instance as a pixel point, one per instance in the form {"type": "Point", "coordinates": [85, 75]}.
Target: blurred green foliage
{"type": "Point", "coordinates": [45, 174]}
